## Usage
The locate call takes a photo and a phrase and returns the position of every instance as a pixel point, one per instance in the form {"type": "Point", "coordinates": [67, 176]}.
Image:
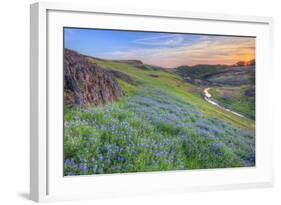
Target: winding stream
{"type": "Point", "coordinates": [208, 98]}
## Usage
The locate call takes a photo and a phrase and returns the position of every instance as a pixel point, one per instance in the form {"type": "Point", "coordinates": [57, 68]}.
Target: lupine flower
{"type": "Point", "coordinates": [67, 162]}
{"type": "Point", "coordinates": [113, 128]}
{"type": "Point", "coordinates": [95, 168]}
{"type": "Point", "coordinates": [84, 168]}
{"type": "Point", "coordinates": [157, 154]}
{"type": "Point", "coordinates": [100, 158]}
{"type": "Point", "coordinates": [121, 158]}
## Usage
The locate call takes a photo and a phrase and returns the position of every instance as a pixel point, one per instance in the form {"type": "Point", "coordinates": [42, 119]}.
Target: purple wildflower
{"type": "Point", "coordinates": [95, 168]}
{"type": "Point", "coordinates": [84, 168]}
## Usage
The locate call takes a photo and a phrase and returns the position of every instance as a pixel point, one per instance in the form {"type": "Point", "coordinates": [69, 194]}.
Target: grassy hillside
{"type": "Point", "coordinates": [219, 74]}
{"type": "Point", "coordinates": [234, 76]}
{"type": "Point", "coordinates": [159, 124]}
{"type": "Point", "coordinates": [199, 71]}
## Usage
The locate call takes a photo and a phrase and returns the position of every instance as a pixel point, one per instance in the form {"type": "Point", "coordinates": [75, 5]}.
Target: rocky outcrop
{"type": "Point", "coordinates": [85, 83]}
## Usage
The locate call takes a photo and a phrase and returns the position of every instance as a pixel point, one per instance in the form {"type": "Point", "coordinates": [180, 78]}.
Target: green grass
{"type": "Point", "coordinates": [234, 98]}
{"type": "Point", "coordinates": [160, 124]}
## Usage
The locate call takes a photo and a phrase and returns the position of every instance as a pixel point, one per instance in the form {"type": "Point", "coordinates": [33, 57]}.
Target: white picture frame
{"type": "Point", "coordinates": [46, 179]}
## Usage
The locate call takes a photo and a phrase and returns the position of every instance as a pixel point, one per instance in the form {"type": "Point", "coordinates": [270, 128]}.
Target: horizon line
{"type": "Point", "coordinates": [193, 65]}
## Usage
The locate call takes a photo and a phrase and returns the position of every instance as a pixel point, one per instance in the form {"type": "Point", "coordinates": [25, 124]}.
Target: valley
{"type": "Point", "coordinates": [232, 87]}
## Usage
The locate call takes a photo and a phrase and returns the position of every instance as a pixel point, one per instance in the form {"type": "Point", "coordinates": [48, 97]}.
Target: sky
{"type": "Point", "coordinates": [168, 50]}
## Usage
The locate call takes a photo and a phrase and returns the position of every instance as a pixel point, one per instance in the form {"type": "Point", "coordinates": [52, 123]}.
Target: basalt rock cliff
{"type": "Point", "coordinates": [85, 83]}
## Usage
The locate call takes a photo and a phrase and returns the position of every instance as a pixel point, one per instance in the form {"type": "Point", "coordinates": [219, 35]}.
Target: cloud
{"type": "Point", "coordinates": [163, 40]}
{"type": "Point", "coordinates": [207, 50]}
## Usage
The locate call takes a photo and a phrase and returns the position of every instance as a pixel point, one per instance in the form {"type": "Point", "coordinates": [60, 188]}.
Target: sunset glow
{"type": "Point", "coordinates": [163, 49]}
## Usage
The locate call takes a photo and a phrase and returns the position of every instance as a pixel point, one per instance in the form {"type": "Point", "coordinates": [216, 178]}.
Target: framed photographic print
{"type": "Point", "coordinates": [127, 102]}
